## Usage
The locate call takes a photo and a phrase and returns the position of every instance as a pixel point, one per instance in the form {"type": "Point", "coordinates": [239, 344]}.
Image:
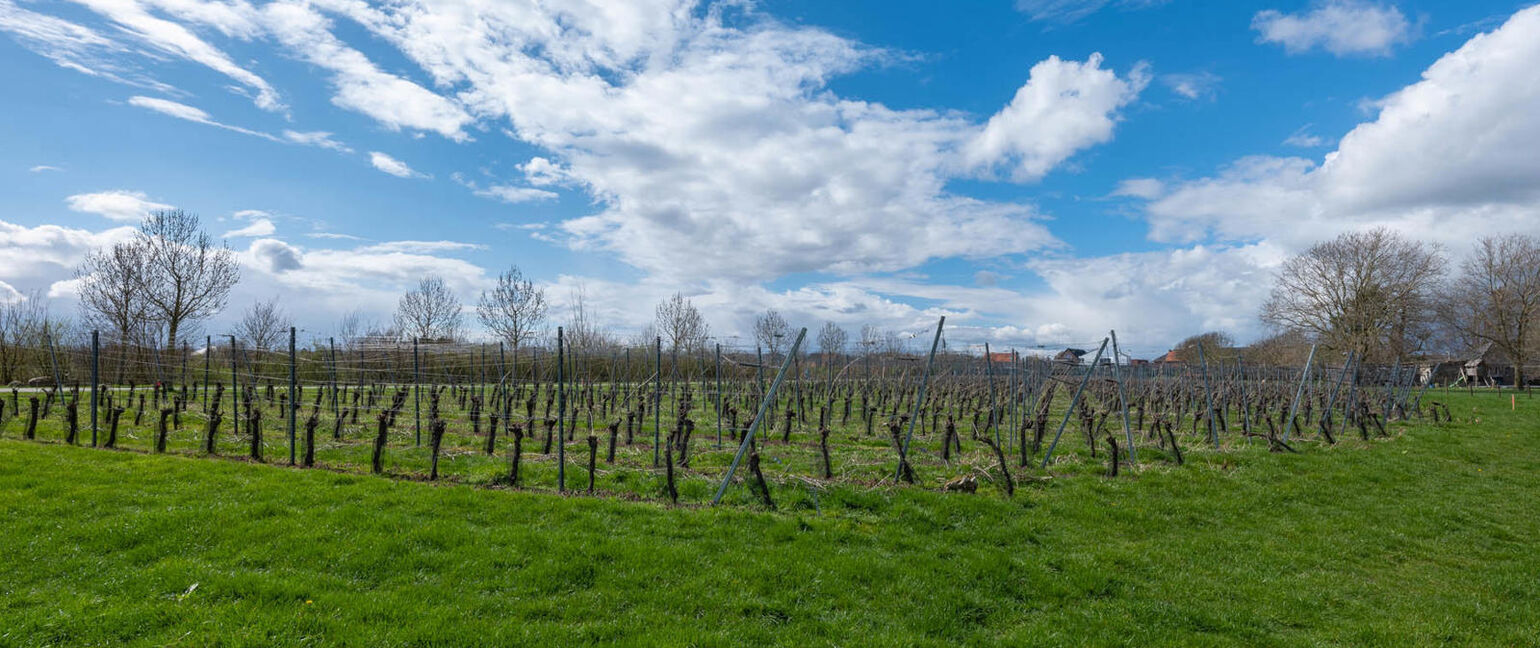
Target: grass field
{"type": "Point", "coordinates": [1425, 538]}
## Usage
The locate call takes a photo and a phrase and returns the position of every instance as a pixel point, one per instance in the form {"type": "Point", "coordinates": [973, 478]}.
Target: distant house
{"type": "Point", "coordinates": [1439, 372]}
{"type": "Point", "coordinates": [1069, 356]}
{"type": "Point", "coordinates": [1170, 358]}
{"type": "Point", "coordinates": [1136, 362]}
{"type": "Point", "coordinates": [1488, 365]}
{"type": "Point", "coordinates": [1001, 357]}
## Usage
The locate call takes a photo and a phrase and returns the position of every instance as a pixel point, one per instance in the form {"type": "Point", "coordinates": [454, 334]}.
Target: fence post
{"type": "Point", "coordinates": [1073, 402]}
{"type": "Point", "coordinates": [1208, 399]}
{"type": "Point", "coordinates": [748, 437]}
{"type": "Point", "coordinates": [1117, 376]}
{"type": "Point", "coordinates": [293, 397]}
{"type": "Point", "coordinates": [416, 393]}
{"type": "Point", "coordinates": [235, 396]}
{"type": "Point", "coordinates": [58, 384]}
{"type": "Point", "coordinates": [1294, 406]}
{"type": "Point", "coordinates": [719, 395]}
{"type": "Point", "coordinates": [919, 398]}
{"type": "Point", "coordinates": [657, 402]}
{"type": "Point", "coordinates": [561, 413]}
{"type": "Point", "coordinates": [332, 342]}
{"type": "Point", "coordinates": [95, 371]}
{"type": "Point", "coordinates": [208, 350]}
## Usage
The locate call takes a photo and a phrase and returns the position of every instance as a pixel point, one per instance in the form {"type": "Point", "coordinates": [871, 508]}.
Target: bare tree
{"type": "Point", "coordinates": [871, 339]}
{"type": "Point", "coordinates": [512, 309]}
{"type": "Point", "coordinates": [1286, 349]}
{"type": "Point", "coordinates": [583, 334]}
{"type": "Point", "coordinates": [187, 277]}
{"type": "Point", "coordinates": [770, 331]}
{"type": "Point", "coordinates": [111, 285]}
{"type": "Point", "coordinates": [23, 322]}
{"type": "Point", "coordinates": [1369, 291]}
{"type": "Point", "coordinates": [1496, 298]}
{"type": "Point", "coordinates": [264, 325]}
{"type": "Point", "coordinates": [429, 312]}
{"type": "Point", "coordinates": [682, 324]}
{"type": "Point", "coordinates": [1217, 345]}
{"type": "Point", "coordinates": [831, 340]}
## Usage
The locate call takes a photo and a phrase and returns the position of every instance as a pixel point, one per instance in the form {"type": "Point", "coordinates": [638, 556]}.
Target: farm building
{"type": "Point", "coordinates": [1439, 372]}
{"type": "Point", "coordinates": [1000, 356]}
{"type": "Point", "coordinates": [1170, 358]}
{"type": "Point", "coordinates": [1069, 356]}
{"type": "Point", "coordinates": [1488, 365]}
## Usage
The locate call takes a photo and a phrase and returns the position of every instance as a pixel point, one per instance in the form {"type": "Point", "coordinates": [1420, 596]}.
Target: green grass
{"type": "Point", "coordinates": [1425, 538]}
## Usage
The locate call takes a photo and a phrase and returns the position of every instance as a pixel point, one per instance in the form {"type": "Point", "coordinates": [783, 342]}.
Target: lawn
{"type": "Point", "coordinates": [1424, 538]}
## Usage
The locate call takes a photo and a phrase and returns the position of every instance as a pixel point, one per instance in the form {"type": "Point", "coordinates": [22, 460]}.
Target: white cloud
{"type": "Point", "coordinates": [322, 139]}
{"type": "Point", "coordinates": [175, 39]}
{"type": "Point", "coordinates": [34, 258]}
{"type": "Point", "coordinates": [392, 166]}
{"type": "Point", "coordinates": [1342, 27]}
{"type": "Point", "coordinates": [1068, 11]}
{"type": "Point", "coordinates": [514, 195]}
{"type": "Point", "coordinates": [1446, 159]}
{"type": "Point", "coordinates": [72, 46]}
{"type": "Point", "coordinates": [1146, 188]}
{"type": "Point", "coordinates": [117, 204]}
{"type": "Point", "coordinates": [360, 85]}
{"type": "Point", "coordinates": [44, 167]}
{"type": "Point", "coordinates": [1303, 138]}
{"type": "Point", "coordinates": [190, 113]}
{"type": "Point", "coordinates": [258, 227]}
{"type": "Point", "coordinates": [9, 294]}
{"type": "Point", "coordinates": [1192, 86]}
{"type": "Point", "coordinates": [420, 247]}
{"type": "Point", "coordinates": [1065, 106]}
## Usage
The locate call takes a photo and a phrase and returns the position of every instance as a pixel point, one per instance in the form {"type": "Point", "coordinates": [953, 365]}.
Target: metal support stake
{"type": "Point", "coordinates": [561, 413]}
{"type": "Point", "coordinates": [748, 437]}
{"type": "Point", "coordinates": [1117, 376]}
{"type": "Point", "coordinates": [293, 396]}
{"type": "Point", "coordinates": [919, 398]}
{"type": "Point", "coordinates": [95, 372]}
{"type": "Point", "coordinates": [1047, 456]}
{"type": "Point", "coordinates": [1208, 398]}
{"type": "Point", "coordinates": [1298, 391]}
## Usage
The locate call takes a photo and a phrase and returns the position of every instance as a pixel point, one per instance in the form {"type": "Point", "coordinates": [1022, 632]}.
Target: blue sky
{"type": "Point", "coordinates": [1039, 171]}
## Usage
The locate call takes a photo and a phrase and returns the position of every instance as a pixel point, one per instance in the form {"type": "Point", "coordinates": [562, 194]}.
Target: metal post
{"type": "Point", "coordinates": [293, 397]}
{"type": "Point", "coordinates": [561, 413]}
{"type": "Point", "coordinates": [657, 403]}
{"type": "Point", "coordinates": [989, 367]}
{"type": "Point", "coordinates": [235, 395]}
{"type": "Point", "coordinates": [95, 372]}
{"type": "Point", "coordinates": [332, 342]}
{"type": "Point", "coordinates": [1332, 402]}
{"type": "Point", "coordinates": [1073, 402]}
{"type": "Point", "coordinates": [719, 396]}
{"type": "Point", "coordinates": [1117, 376]}
{"type": "Point", "coordinates": [416, 393]}
{"type": "Point", "coordinates": [1294, 406]}
{"type": "Point", "coordinates": [58, 384]}
{"type": "Point", "coordinates": [208, 350]}
{"type": "Point", "coordinates": [748, 437]}
{"type": "Point", "coordinates": [919, 398]}
{"type": "Point", "coordinates": [1208, 398]}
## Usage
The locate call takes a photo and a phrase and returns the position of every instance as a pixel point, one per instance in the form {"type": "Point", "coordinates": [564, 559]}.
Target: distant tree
{"type": "Point", "coordinates": [187, 277]}
{"type": "Point", "coordinates": [23, 323]}
{"type": "Point", "coordinates": [770, 330]}
{"type": "Point", "coordinates": [871, 339]}
{"type": "Point", "coordinates": [513, 309]}
{"type": "Point", "coordinates": [1496, 298]}
{"type": "Point", "coordinates": [1217, 345]}
{"type": "Point", "coordinates": [264, 325]}
{"type": "Point", "coordinates": [1369, 292]}
{"type": "Point", "coordinates": [831, 340]}
{"type": "Point", "coordinates": [583, 333]}
{"type": "Point", "coordinates": [429, 312]}
{"type": "Point", "coordinates": [682, 324]}
{"type": "Point", "coordinates": [111, 286]}
{"type": "Point", "coordinates": [1284, 349]}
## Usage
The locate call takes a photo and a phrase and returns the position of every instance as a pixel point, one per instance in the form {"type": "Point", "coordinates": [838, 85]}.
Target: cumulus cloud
{"type": "Point", "coordinates": [1447, 158]}
{"type": "Point", "coordinates": [1064, 107]}
{"type": "Point", "coordinates": [116, 204]}
{"type": "Point", "coordinates": [392, 166]}
{"type": "Point", "coordinates": [1342, 27]}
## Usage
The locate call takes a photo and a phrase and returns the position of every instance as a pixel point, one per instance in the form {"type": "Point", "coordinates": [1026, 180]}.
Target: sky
{"type": "Point", "coordinates": [1039, 172]}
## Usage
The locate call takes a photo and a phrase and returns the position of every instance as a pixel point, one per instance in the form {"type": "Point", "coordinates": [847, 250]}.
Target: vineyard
{"type": "Point", "coordinates": [734, 426]}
